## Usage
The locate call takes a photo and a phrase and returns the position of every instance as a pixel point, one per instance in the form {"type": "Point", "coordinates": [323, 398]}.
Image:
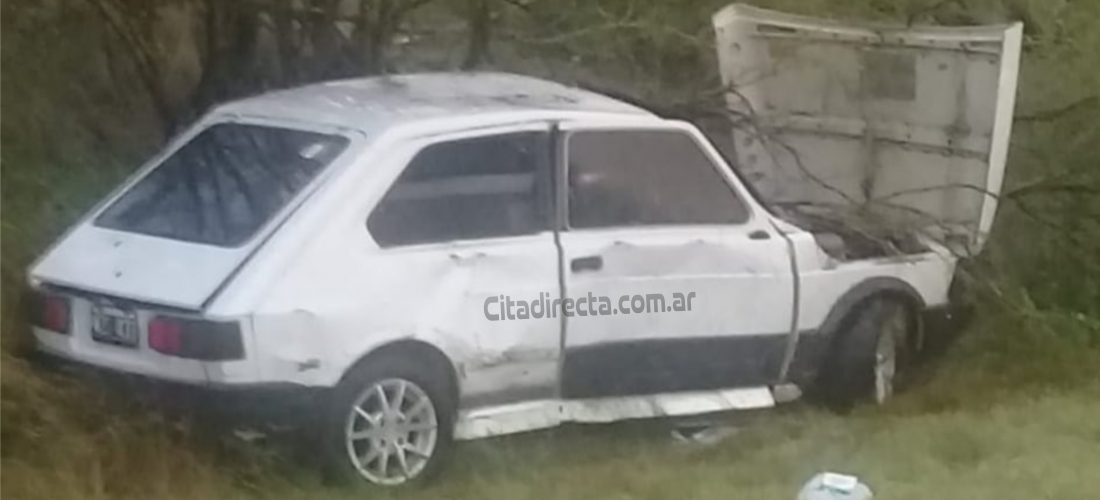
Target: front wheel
{"type": "Point", "coordinates": [388, 424]}
{"type": "Point", "coordinates": [869, 355]}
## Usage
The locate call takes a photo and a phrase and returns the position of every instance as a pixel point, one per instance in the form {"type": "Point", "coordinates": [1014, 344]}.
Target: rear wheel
{"type": "Point", "coordinates": [871, 355]}
{"type": "Point", "coordinates": [388, 424]}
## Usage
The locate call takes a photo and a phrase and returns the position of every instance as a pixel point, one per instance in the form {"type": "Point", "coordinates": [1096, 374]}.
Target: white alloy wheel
{"type": "Point", "coordinates": [391, 431]}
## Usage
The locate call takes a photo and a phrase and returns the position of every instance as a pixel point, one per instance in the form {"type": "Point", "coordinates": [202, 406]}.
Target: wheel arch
{"type": "Point", "coordinates": [431, 355]}
{"type": "Point", "coordinates": [869, 289]}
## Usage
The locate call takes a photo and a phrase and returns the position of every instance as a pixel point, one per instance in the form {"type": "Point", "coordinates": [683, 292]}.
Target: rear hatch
{"type": "Point", "coordinates": [180, 227]}
{"type": "Point", "coordinates": [908, 125]}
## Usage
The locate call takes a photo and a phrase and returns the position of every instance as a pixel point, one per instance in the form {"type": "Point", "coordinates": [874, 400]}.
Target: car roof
{"type": "Point", "coordinates": [373, 104]}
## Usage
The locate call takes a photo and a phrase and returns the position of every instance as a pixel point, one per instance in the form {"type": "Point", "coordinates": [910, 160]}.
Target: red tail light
{"type": "Point", "coordinates": [195, 338]}
{"type": "Point", "coordinates": [165, 335]}
{"type": "Point", "coordinates": [51, 312]}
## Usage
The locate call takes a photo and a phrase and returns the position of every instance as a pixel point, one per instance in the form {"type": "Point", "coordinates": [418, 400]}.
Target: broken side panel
{"type": "Point", "coordinates": [541, 414]}
{"type": "Point", "coordinates": [908, 127]}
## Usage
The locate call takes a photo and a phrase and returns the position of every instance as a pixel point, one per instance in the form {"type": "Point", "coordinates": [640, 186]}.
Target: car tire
{"type": "Point", "coordinates": [870, 356]}
{"type": "Point", "coordinates": [388, 423]}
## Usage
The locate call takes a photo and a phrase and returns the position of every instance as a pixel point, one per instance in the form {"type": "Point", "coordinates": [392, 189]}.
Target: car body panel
{"type": "Point", "coordinates": [139, 267]}
{"type": "Point", "coordinates": [79, 345]}
{"type": "Point", "coordinates": [158, 270]}
{"type": "Point", "coordinates": [541, 414]}
{"type": "Point", "coordinates": [355, 296]}
{"type": "Point", "coordinates": [912, 122]}
{"type": "Point", "coordinates": [740, 287]}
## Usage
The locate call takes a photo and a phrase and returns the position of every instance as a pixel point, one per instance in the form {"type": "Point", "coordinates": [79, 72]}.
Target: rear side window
{"type": "Point", "coordinates": [645, 177]}
{"type": "Point", "coordinates": [223, 185]}
{"type": "Point", "coordinates": [468, 189]}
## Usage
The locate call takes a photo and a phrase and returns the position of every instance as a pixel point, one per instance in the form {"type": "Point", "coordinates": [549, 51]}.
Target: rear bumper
{"type": "Point", "coordinates": [232, 404]}
{"type": "Point", "coordinates": [139, 359]}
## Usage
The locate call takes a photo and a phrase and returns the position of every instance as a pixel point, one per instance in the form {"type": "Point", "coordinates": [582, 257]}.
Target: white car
{"type": "Point", "coordinates": [452, 256]}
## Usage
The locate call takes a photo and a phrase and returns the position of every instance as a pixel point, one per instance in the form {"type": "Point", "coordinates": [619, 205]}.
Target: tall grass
{"type": "Point", "coordinates": [1008, 413]}
{"type": "Point", "coordinates": [997, 422]}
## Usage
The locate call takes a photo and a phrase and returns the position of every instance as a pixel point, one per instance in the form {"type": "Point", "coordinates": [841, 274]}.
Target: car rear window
{"type": "Point", "coordinates": [224, 184]}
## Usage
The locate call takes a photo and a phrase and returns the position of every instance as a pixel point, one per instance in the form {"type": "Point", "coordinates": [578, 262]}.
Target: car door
{"type": "Point", "coordinates": [673, 278]}
{"type": "Point", "coordinates": [470, 217]}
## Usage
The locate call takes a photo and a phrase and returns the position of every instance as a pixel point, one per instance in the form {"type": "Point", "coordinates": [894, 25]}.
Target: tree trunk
{"type": "Point", "coordinates": [478, 19]}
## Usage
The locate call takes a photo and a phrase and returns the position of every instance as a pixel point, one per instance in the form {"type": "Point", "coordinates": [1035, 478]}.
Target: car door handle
{"type": "Point", "coordinates": [590, 263]}
{"type": "Point", "coordinates": [458, 257]}
{"type": "Point", "coordinates": [759, 234]}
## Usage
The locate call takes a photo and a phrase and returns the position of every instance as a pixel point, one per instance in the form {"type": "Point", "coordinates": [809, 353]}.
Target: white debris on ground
{"type": "Point", "coordinates": [833, 486]}
{"type": "Point", "coordinates": [702, 433]}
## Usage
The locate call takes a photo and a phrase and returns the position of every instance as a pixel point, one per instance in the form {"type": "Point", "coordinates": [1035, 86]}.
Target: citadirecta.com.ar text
{"type": "Point", "coordinates": [505, 307]}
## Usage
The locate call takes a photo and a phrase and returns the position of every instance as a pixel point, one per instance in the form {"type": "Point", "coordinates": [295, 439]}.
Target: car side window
{"type": "Point", "coordinates": [646, 177]}
{"type": "Point", "coordinates": [475, 188]}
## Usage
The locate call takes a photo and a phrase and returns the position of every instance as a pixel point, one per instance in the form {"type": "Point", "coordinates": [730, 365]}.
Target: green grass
{"type": "Point", "coordinates": [985, 422]}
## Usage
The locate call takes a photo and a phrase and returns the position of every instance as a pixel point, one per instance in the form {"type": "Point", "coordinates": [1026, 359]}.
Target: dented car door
{"type": "Point", "coordinates": [479, 207]}
{"type": "Point", "coordinates": [672, 282]}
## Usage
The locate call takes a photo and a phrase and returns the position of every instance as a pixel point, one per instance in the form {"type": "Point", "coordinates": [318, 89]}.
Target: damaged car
{"type": "Point", "coordinates": [433, 257]}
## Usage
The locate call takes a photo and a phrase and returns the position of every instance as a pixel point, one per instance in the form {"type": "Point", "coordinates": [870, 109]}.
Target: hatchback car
{"type": "Point", "coordinates": [452, 256]}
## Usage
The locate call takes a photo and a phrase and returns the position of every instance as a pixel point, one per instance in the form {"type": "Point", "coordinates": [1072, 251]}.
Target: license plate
{"type": "Point", "coordinates": [112, 325]}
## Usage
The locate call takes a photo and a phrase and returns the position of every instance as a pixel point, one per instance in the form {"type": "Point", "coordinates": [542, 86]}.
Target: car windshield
{"type": "Point", "coordinates": [224, 184]}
